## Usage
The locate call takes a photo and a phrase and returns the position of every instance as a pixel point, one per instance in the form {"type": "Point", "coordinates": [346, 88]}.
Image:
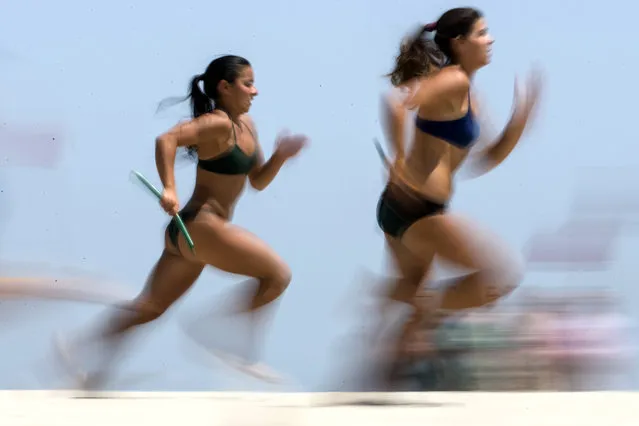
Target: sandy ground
{"type": "Point", "coordinates": [41, 408]}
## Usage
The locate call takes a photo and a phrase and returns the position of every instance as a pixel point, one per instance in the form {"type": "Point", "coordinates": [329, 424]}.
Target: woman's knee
{"type": "Point", "coordinates": [271, 285]}
{"type": "Point", "coordinates": [505, 273]}
{"type": "Point", "coordinates": [279, 277]}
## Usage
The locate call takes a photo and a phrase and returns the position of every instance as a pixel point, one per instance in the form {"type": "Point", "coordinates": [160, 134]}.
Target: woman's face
{"type": "Point", "coordinates": [475, 48]}
{"type": "Point", "coordinates": [238, 96]}
{"type": "Point", "coordinates": [243, 90]}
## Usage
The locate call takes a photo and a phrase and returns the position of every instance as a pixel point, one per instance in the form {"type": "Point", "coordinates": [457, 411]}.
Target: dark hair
{"type": "Point", "coordinates": [205, 99]}
{"type": "Point", "coordinates": [419, 54]}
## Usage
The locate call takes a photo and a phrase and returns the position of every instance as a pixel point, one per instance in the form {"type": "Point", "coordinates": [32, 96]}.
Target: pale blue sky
{"type": "Point", "coordinates": [97, 72]}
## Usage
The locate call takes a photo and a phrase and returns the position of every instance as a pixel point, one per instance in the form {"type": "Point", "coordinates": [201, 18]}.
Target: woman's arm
{"type": "Point", "coordinates": [495, 153]}
{"type": "Point", "coordinates": [264, 172]}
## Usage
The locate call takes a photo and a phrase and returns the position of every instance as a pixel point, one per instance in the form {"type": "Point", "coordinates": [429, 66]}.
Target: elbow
{"type": "Point", "coordinates": [392, 110]}
{"type": "Point", "coordinates": [395, 112]}
{"type": "Point", "coordinates": [165, 147]}
{"type": "Point", "coordinates": [257, 183]}
{"type": "Point", "coordinates": [161, 145]}
{"type": "Point", "coordinates": [490, 162]}
{"type": "Point", "coordinates": [482, 165]}
{"type": "Point", "coordinates": [257, 186]}
{"type": "Point", "coordinates": [491, 159]}
{"type": "Point", "coordinates": [163, 142]}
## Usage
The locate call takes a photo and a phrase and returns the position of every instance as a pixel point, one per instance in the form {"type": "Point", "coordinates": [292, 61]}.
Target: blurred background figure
{"type": "Point", "coordinates": [552, 340]}
{"type": "Point", "coordinates": [574, 336]}
{"type": "Point", "coordinates": [30, 145]}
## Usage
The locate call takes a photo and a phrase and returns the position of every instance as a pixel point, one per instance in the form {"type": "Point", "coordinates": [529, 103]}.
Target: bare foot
{"type": "Point", "coordinates": [258, 370]}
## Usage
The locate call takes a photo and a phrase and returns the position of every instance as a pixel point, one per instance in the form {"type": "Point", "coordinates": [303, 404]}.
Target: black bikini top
{"type": "Point", "coordinates": [232, 162]}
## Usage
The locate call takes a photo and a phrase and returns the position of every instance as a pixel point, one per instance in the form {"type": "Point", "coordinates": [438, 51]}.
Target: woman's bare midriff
{"type": "Point", "coordinates": [430, 165]}
{"type": "Point", "coordinates": [216, 192]}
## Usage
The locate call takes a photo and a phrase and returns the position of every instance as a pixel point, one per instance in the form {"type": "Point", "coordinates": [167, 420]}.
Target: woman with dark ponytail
{"type": "Point", "coordinates": [432, 76]}
{"type": "Point", "coordinates": [224, 140]}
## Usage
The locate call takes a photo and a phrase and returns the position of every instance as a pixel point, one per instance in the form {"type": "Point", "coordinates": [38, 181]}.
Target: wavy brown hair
{"type": "Point", "coordinates": [419, 54]}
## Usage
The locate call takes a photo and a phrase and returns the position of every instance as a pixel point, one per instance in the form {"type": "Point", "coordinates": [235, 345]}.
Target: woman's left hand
{"type": "Point", "coordinates": [288, 146]}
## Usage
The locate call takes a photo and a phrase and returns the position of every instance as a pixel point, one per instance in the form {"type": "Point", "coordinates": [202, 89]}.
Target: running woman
{"type": "Point", "coordinates": [223, 138]}
{"type": "Point", "coordinates": [433, 76]}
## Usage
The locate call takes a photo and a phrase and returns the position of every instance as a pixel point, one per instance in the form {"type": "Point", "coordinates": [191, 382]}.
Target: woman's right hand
{"type": "Point", "coordinates": [170, 202]}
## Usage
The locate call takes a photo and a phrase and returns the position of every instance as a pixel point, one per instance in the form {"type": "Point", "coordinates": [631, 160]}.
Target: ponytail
{"type": "Point", "coordinates": [417, 56]}
{"type": "Point", "coordinates": [200, 103]}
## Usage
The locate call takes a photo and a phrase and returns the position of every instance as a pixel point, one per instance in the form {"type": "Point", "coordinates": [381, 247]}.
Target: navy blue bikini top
{"type": "Point", "coordinates": [461, 132]}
